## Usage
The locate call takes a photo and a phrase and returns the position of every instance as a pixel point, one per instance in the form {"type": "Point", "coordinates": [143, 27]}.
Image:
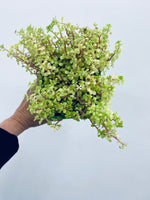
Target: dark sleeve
{"type": "Point", "coordinates": [9, 145]}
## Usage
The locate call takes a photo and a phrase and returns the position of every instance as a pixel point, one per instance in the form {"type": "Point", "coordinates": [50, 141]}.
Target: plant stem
{"type": "Point", "coordinates": [107, 131]}
{"type": "Point", "coordinates": [110, 57]}
{"type": "Point", "coordinates": [58, 121]}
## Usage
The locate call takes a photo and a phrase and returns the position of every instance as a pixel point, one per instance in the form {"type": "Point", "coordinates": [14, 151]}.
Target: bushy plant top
{"type": "Point", "coordinates": [70, 64]}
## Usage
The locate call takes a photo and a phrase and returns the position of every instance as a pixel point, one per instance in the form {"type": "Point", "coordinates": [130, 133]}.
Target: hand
{"type": "Point", "coordinates": [22, 119]}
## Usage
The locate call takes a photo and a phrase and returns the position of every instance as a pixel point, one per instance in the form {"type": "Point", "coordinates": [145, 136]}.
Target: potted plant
{"type": "Point", "coordinates": [70, 65]}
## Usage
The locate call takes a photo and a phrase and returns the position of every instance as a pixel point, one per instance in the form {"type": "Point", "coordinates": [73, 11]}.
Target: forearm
{"type": "Point", "coordinates": [12, 126]}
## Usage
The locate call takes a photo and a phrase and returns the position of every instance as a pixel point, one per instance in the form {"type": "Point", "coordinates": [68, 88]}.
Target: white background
{"type": "Point", "coordinates": [73, 163]}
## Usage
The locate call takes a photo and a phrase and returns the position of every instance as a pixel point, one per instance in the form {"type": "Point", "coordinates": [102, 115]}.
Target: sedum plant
{"type": "Point", "coordinates": [70, 65]}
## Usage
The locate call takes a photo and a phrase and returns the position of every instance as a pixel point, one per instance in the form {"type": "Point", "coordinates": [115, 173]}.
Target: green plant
{"type": "Point", "coordinates": [70, 63]}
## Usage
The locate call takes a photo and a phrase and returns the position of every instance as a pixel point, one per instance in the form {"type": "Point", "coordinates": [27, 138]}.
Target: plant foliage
{"type": "Point", "coordinates": [70, 63]}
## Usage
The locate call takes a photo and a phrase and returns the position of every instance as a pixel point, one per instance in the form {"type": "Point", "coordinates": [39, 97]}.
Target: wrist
{"type": "Point", "coordinates": [12, 126]}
